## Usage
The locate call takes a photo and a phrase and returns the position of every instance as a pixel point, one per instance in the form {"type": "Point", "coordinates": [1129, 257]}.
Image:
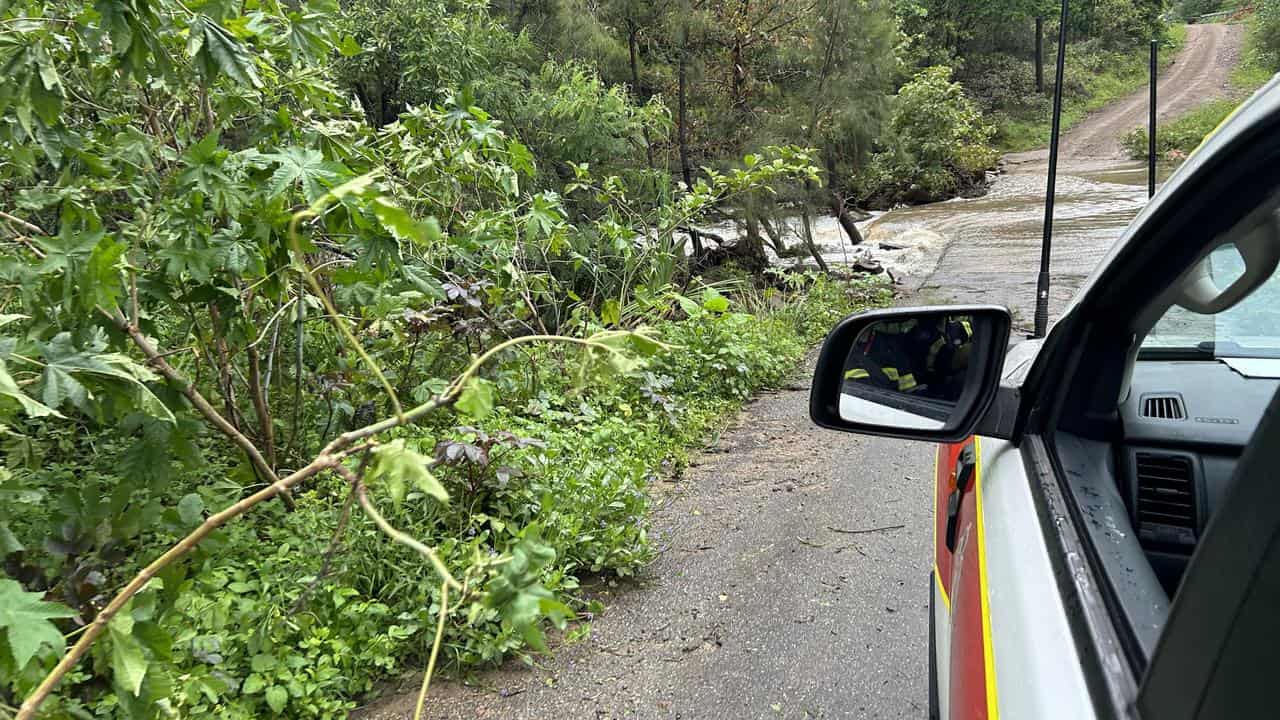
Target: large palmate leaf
{"type": "Point", "coordinates": [72, 374]}
{"type": "Point", "coordinates": [305, 166]}
{"type": "Point", "coordinates": [24, 618]}
{"type": "Point", "coordinates": [216, 52]}
{"type": "Point", "coordinates": [10, 389]}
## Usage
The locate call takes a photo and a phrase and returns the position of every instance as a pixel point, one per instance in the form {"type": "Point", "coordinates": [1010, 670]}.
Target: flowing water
{"type": "Point", "coordinates": [987, 249]}
{"type": "Point", "coordinates": [990, 246]}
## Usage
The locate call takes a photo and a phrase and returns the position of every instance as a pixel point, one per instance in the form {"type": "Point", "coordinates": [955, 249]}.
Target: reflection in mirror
{"type": "Point", "coordinates": [907, 372]}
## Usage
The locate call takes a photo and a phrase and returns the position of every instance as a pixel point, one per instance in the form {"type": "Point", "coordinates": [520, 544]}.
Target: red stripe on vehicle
{"type": "Point", "coordinates": [959, 575]}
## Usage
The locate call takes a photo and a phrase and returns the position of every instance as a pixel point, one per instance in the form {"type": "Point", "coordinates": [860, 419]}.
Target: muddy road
{"type": "Point", "coordinates": [794, 573]}
{"type": "Point", "coordinates": [1201, 72]}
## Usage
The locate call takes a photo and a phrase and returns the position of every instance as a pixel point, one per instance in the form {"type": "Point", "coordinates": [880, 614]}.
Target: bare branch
{"type": "Point", "coordinates": [197, 400]}
{"type": "Point", "coordinates": [213, 522]}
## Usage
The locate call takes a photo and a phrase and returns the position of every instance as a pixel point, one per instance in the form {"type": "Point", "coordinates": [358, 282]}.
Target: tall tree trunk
{"type": "Point", "coordinates": [778, 242]}
{"type": "Point", "coordinates": [847, 222]}
{"type": "Point", "coordinates": [750, 248]}
{"type": "Point", "coordinates": [633, 44]}
{"type": "Point", "coordinates": [808, 240]}
{"type": "Point", "coordinates": [682, 117]}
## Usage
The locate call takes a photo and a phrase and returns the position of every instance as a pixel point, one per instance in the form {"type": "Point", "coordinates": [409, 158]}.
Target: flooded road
{"type": "Point", "coordinates": [987, 249]}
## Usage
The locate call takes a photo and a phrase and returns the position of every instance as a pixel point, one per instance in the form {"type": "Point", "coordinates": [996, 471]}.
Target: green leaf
{"type": "Point", "coordinates": [305, 166]}
{"type": "Point", "coordinates": [128, 663]}
{"type": "Point", "coordinates": [308, 39]}
{"type": "Point", "coordinates": [262, 663]}
{"type": "Point", "coordinates": [610, 312]}
{"type": "Point", "coordinates": [349, 47]}
{"type": "Point", "coordinates": [253, 684]}
{"type": "Point", "coordinates": [217, 52]}
{"type": "Point", "coordinates": [402, 225]}
{"type": "Point", "coordinates": [398, 467]}
{"type": "Point", "coordinates": [713, 301]}
{"type": "Point", "coordinates": [277, 698]}
{"type": "Point", "coordinates": [9, 542]}
{"type": "Point", "coordinates": [10, 389]}
{"type": "Point", "coordinates": [100, 283]}
{"type": "Point", "coordinates": [47, 103]}
{"type": "Point", "coordinates": [24, 618]}
{"type": "Point", "coordinates": [67, 368]}
{"type": "Point", "coordinates": [191, 509]}
{"type": "Point", "coordinates": [476, 399]}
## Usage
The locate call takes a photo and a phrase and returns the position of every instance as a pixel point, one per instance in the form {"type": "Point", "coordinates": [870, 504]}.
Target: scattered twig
{"type": "Point", "coordinates": [857, 548]}
{"type": "Point", "coordinates": [863, 532]}
{"type": "Point", "coordinates": [810, 543]}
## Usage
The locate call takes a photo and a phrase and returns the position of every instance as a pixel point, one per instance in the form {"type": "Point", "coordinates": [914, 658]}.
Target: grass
{"type": "Point", "coordinates": [1095, 79]}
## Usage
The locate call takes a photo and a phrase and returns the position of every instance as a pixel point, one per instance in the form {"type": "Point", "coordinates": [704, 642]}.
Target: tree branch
{"type": "Point", "coordinates": [162, 366]}
{"type": "Point", "coordinates": [213, 522]}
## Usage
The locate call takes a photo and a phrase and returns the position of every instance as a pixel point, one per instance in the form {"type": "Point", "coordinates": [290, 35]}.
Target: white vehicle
{"type": "Point", "coordinates": [1108, 498]}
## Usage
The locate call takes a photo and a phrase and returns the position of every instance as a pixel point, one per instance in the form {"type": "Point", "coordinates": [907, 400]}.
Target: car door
{"type": "Point", "coordinates": [1038, 623]}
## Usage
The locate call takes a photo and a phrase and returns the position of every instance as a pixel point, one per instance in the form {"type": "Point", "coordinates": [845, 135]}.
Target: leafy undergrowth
{"type": "Point", "coordinates": [262, 620]}
{"type": "Point", "coordinates": [1096, 76]}
{"type": "Point", "coordinates": [1176, 139]}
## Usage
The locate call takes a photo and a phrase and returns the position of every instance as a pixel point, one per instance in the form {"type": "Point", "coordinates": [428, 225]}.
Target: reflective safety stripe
{"type": "Point", "coordinates": [891, 373]}
{"type": "Point", "coordinates": [907, 383]}
{"type": "Point", "coordinates": [857, 374]}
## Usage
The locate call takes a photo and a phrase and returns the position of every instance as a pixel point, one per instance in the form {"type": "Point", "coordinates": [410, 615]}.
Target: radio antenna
{"type": "Point", "coordinates": [1042, 283]}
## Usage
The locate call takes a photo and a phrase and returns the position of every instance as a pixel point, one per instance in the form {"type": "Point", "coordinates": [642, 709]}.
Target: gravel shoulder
{"type": "Point", "coordinates": [765, 602]}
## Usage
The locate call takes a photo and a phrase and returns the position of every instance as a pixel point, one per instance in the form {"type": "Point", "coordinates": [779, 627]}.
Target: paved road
{"type": "Point", "coordinates": [759, 607]}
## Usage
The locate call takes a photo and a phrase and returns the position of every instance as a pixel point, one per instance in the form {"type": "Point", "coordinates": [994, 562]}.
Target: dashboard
{"type": "Point", "coordinates": [1185, 424]}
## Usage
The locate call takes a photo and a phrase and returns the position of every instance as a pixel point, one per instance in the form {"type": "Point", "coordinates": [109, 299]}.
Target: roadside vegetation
{"type": "Point", "coordinates": [340, 342]}
{"type": "Point", "coordinates": [1260, 60]}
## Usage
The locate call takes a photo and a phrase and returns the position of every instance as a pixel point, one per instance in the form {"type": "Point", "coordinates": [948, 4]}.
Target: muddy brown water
{"type": "Point", "coordinates": [988, 248]}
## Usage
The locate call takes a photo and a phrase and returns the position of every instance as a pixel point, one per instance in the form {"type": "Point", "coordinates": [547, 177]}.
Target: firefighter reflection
{"type": "Point", "coordinates": [925, 358]}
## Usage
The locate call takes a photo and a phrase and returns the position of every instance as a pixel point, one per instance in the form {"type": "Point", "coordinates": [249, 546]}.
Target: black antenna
{"type": "Point", "coordinates": [1042, 283]}
{"type": "Point", "coordinates": [1151, 128]}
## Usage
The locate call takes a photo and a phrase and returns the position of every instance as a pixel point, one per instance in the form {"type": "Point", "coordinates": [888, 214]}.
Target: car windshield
{"type": "Point", "coordinates": [1250, 329]}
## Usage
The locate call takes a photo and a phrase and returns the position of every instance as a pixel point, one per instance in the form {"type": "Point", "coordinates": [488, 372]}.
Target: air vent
{"type": "Point", "coordinates": [1163, 407]}
{"type": "Point", "coordinates": [1166, 502]}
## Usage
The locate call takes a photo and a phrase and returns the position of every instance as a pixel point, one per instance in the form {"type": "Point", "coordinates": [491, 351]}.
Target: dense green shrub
{"type": "Point", "coordinates": [247, 626]}
{"type": "Point", "coordinates": [941, 144]}
{"type": "Point", "coordinates": [1266, 32]}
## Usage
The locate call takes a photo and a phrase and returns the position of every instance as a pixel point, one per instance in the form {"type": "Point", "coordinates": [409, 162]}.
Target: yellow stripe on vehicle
{"type": "Point", "coordinates": [937, 573]}
{"type": "Point", "coordinates": [988, 650]}
{"type": "Point", "coordinates": [942, 590]}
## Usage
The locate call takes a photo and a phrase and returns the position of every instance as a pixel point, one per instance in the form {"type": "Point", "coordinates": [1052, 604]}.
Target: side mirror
{"type": "Point", "coordinates": [913, 373]}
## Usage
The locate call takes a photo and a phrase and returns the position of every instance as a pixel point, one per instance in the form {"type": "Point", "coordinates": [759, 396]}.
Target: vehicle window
{"type": "Point", "coordinates": [1250, 329]}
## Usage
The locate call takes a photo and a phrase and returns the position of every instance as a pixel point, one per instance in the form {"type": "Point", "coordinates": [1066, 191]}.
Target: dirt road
{"type": "Point", "coordinates": [1201, 72]}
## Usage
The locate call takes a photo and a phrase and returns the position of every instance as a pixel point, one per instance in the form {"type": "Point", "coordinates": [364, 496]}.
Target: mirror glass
{"type": "Point", "coordinates": [908, 372]}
